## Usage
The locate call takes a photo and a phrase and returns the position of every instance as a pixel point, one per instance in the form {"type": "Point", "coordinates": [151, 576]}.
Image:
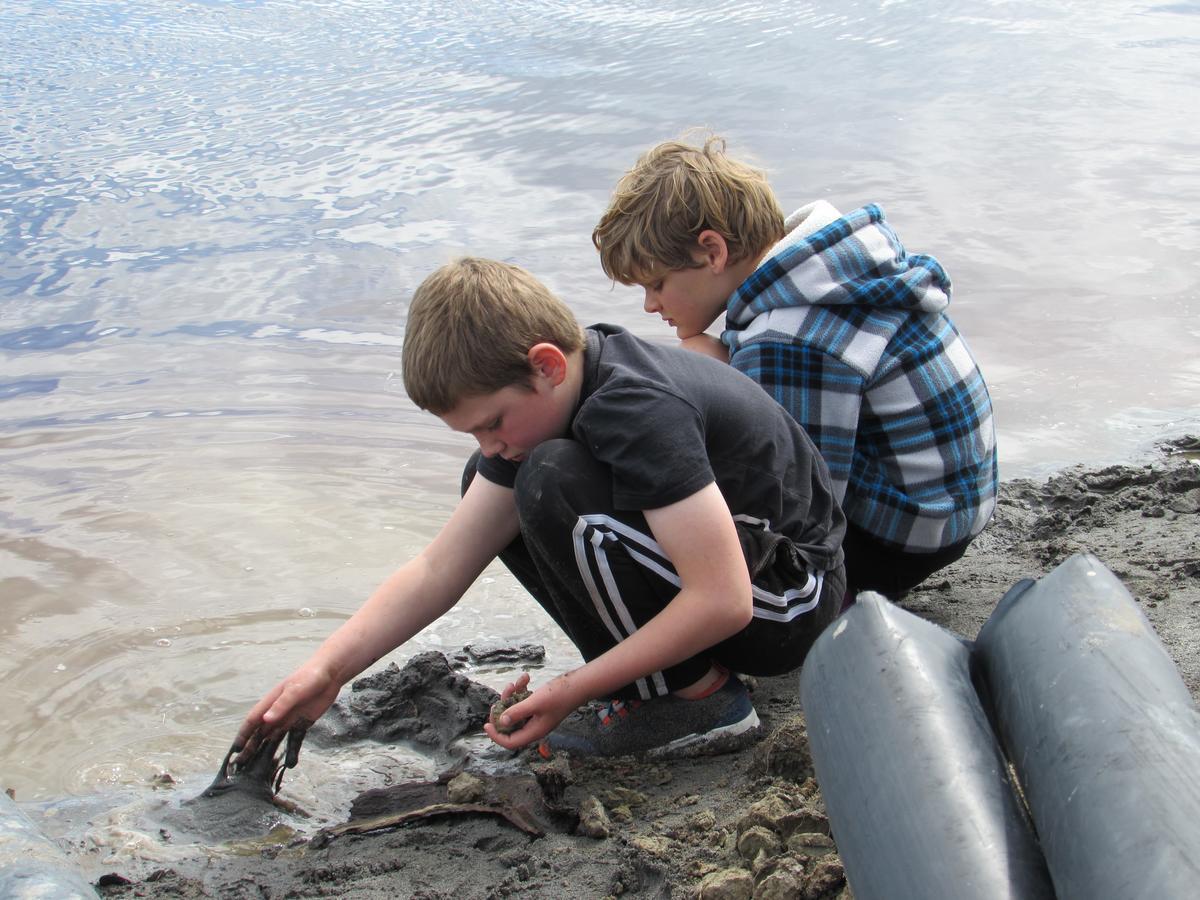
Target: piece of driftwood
{"type": "Point", "coordinates": [516, 799]}
{"type": "Point", "coordinates": [511, 814]}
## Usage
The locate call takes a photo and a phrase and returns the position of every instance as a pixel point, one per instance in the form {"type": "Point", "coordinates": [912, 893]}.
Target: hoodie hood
{"type": "Point", "coordinates": [827, 259]}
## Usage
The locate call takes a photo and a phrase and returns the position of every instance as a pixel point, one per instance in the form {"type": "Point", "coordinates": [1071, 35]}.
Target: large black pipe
{"type": "Point", "coordinates": [1102, 732]}
{"type": "Point", "coordinates": [914, 781]}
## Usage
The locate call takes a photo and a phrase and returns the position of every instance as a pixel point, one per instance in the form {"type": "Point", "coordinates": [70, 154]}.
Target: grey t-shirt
{"type": "Point", "coordinates": [668, 422]}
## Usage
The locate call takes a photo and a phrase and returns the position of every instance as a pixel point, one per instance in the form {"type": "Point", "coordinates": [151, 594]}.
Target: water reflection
{"type": "Point", "coordinates": [53, 337]}
{"type": "Point", "coordinates": [32, 386]}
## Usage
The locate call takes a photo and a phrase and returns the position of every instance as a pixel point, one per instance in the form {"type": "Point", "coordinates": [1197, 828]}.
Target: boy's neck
{"type": "Point", "coordinates": [735, 274]}
{"type": "Point", "coordinates": [572, 384]}
{"type": "Point", "coordinates": [743, 269]}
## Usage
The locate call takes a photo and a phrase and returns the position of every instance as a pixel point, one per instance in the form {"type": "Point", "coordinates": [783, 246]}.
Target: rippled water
{"type": "Point", "coordinates": [214, 213]}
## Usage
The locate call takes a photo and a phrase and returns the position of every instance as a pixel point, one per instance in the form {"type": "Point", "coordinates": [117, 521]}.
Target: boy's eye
{"type": "Point", "coordinates": [495, 423]}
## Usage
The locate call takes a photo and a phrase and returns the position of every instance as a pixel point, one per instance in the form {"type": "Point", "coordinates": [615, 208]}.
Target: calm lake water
{"type": "Point", "coordinates": [214, 213]}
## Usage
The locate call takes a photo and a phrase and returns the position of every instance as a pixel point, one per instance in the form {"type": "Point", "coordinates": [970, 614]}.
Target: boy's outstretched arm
{"type": "Point", "coordinates": [419, 592]}
{"type": "Point", "coordinates": [714, 602]}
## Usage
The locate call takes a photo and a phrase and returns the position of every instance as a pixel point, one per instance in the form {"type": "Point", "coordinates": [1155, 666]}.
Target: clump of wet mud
{"type": "Point", "coordinates": [426, 703]}
{"type": "Point", "coordinates": [499, 708]}
{"type": "Point", "coordinates": [745, 824]}
{"type": "Point", "coordinates": [241, 801]}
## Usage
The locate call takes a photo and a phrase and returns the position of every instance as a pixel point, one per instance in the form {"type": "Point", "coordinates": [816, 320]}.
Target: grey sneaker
{"type": "Point", "coordinates": [723, 721]}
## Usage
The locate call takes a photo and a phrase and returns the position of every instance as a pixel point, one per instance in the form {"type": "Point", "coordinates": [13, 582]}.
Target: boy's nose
{"type": "Point", "coordinates": [651, 304]}
{"type": "Point", "coordinates": [489, 446]}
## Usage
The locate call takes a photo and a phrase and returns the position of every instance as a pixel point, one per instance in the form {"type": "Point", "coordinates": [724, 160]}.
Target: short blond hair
{"type": "Point", "coordinates": [470, 327]}
{"type": "Point", "coordinates": [673, 193]}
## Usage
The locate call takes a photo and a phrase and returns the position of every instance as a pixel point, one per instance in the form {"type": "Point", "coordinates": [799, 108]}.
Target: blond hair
{"type": "Point", "coordinates": [673, 193]}
{"type": "Point", "coordinates": [470, 326]}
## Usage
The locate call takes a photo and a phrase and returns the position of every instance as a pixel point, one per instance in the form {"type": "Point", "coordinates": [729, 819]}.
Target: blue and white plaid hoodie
{"type": "Point", "coordinates": [849, 334]}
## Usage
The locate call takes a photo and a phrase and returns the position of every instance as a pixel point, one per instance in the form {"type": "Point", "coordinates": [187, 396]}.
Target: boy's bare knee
{"type": "Point", "coordinates": [555, 477]}
{"type": "Point", "coordinates": [551, 460]}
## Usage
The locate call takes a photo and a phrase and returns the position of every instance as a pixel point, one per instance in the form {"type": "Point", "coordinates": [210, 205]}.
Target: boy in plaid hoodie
{"type": "Point", "coordinates": [833, 319]}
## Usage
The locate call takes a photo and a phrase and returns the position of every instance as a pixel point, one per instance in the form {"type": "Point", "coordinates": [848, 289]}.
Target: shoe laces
{"type": "Point", "coordinates": [615, 710]}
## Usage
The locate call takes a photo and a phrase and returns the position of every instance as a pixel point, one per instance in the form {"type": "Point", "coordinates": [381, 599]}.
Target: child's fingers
{"type": "Point", "coordinates": [277, 713]}
{"type": "Point", "coordinates": [515, 715]}
{"type": "Point", "coordinates": [528, 721]}
{"type": "Point", "coordinates": [530, 731]}
{"type": "Point", "coordinates": [504, 740]}
{"type": "Point", "coordinates": [300, 695]}
{"type": "Point", "coordinates": [271, 716]}
{"type": "Point", "coordinates": [520, 684]}
{"type": "Point", "coordinates": [250, 732]}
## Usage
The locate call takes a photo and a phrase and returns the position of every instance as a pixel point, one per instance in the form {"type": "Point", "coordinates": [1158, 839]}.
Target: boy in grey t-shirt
{"type": "Point", "coordinates": [670, 517]}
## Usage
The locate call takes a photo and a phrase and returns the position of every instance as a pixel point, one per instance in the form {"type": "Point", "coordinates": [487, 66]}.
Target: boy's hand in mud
{"type": "Point", "coordinates": [534, 717]}
{"type": "Point", "coordinates": [298, 700]}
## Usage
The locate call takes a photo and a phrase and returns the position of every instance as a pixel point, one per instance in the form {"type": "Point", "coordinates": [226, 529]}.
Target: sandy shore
{"type": "Point", "coordinates": [690, 828]}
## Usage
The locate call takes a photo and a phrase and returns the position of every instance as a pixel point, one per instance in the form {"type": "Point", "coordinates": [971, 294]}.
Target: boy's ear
{"type": "Point", "coordinates": [713, 252]}
{"type": "Point", "coordinates": [549, 361]}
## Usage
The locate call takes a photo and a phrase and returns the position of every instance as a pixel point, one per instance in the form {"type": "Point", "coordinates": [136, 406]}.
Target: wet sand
{"type": "Point", "coordinates": [718, 826]}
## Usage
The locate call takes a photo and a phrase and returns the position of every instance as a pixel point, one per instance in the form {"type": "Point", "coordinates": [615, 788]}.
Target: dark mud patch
{"type": "Point", "coordinates": [427, 704]}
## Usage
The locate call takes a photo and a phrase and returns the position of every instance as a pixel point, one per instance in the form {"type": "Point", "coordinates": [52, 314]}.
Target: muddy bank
{"type": "Point", "coordinates": [725, 826]}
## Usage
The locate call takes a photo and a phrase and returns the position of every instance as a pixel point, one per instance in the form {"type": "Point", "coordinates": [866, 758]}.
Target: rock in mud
{"type": "Point", "coordinates": [727, 884]}
{"type": "Point", "coordinates": [757, 840]}
{"type": "Point", "coordinates": [464, 788]}
{"type": "Point", "coordinates": [500, 654]}
{"type": "Point", "coordinates": [593, 819]}
{"type": "Point", "coordinates": [784, 752]}
{"type": "Point", "coordinates": [825, 879]}
{"type": "Point", "coordinates": [554, 777]}
{"type": "Point", "coordinates": [784, 881]}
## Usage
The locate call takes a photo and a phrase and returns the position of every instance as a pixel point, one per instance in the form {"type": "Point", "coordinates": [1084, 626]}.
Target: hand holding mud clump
{"type": "Point", "coordinates": [499, 707]}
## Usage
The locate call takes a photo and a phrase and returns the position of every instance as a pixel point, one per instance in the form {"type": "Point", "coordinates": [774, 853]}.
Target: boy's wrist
{"type": "Point", "coordinates": [329, 666]}
{"type": "Point", "coordinates": [598, 679]}
{"type": "Point", "coordinates": [570, 689]}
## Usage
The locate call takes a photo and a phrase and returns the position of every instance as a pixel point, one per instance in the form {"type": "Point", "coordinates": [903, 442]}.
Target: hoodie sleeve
{"type": "Point", "coordinates": [821, 392]}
